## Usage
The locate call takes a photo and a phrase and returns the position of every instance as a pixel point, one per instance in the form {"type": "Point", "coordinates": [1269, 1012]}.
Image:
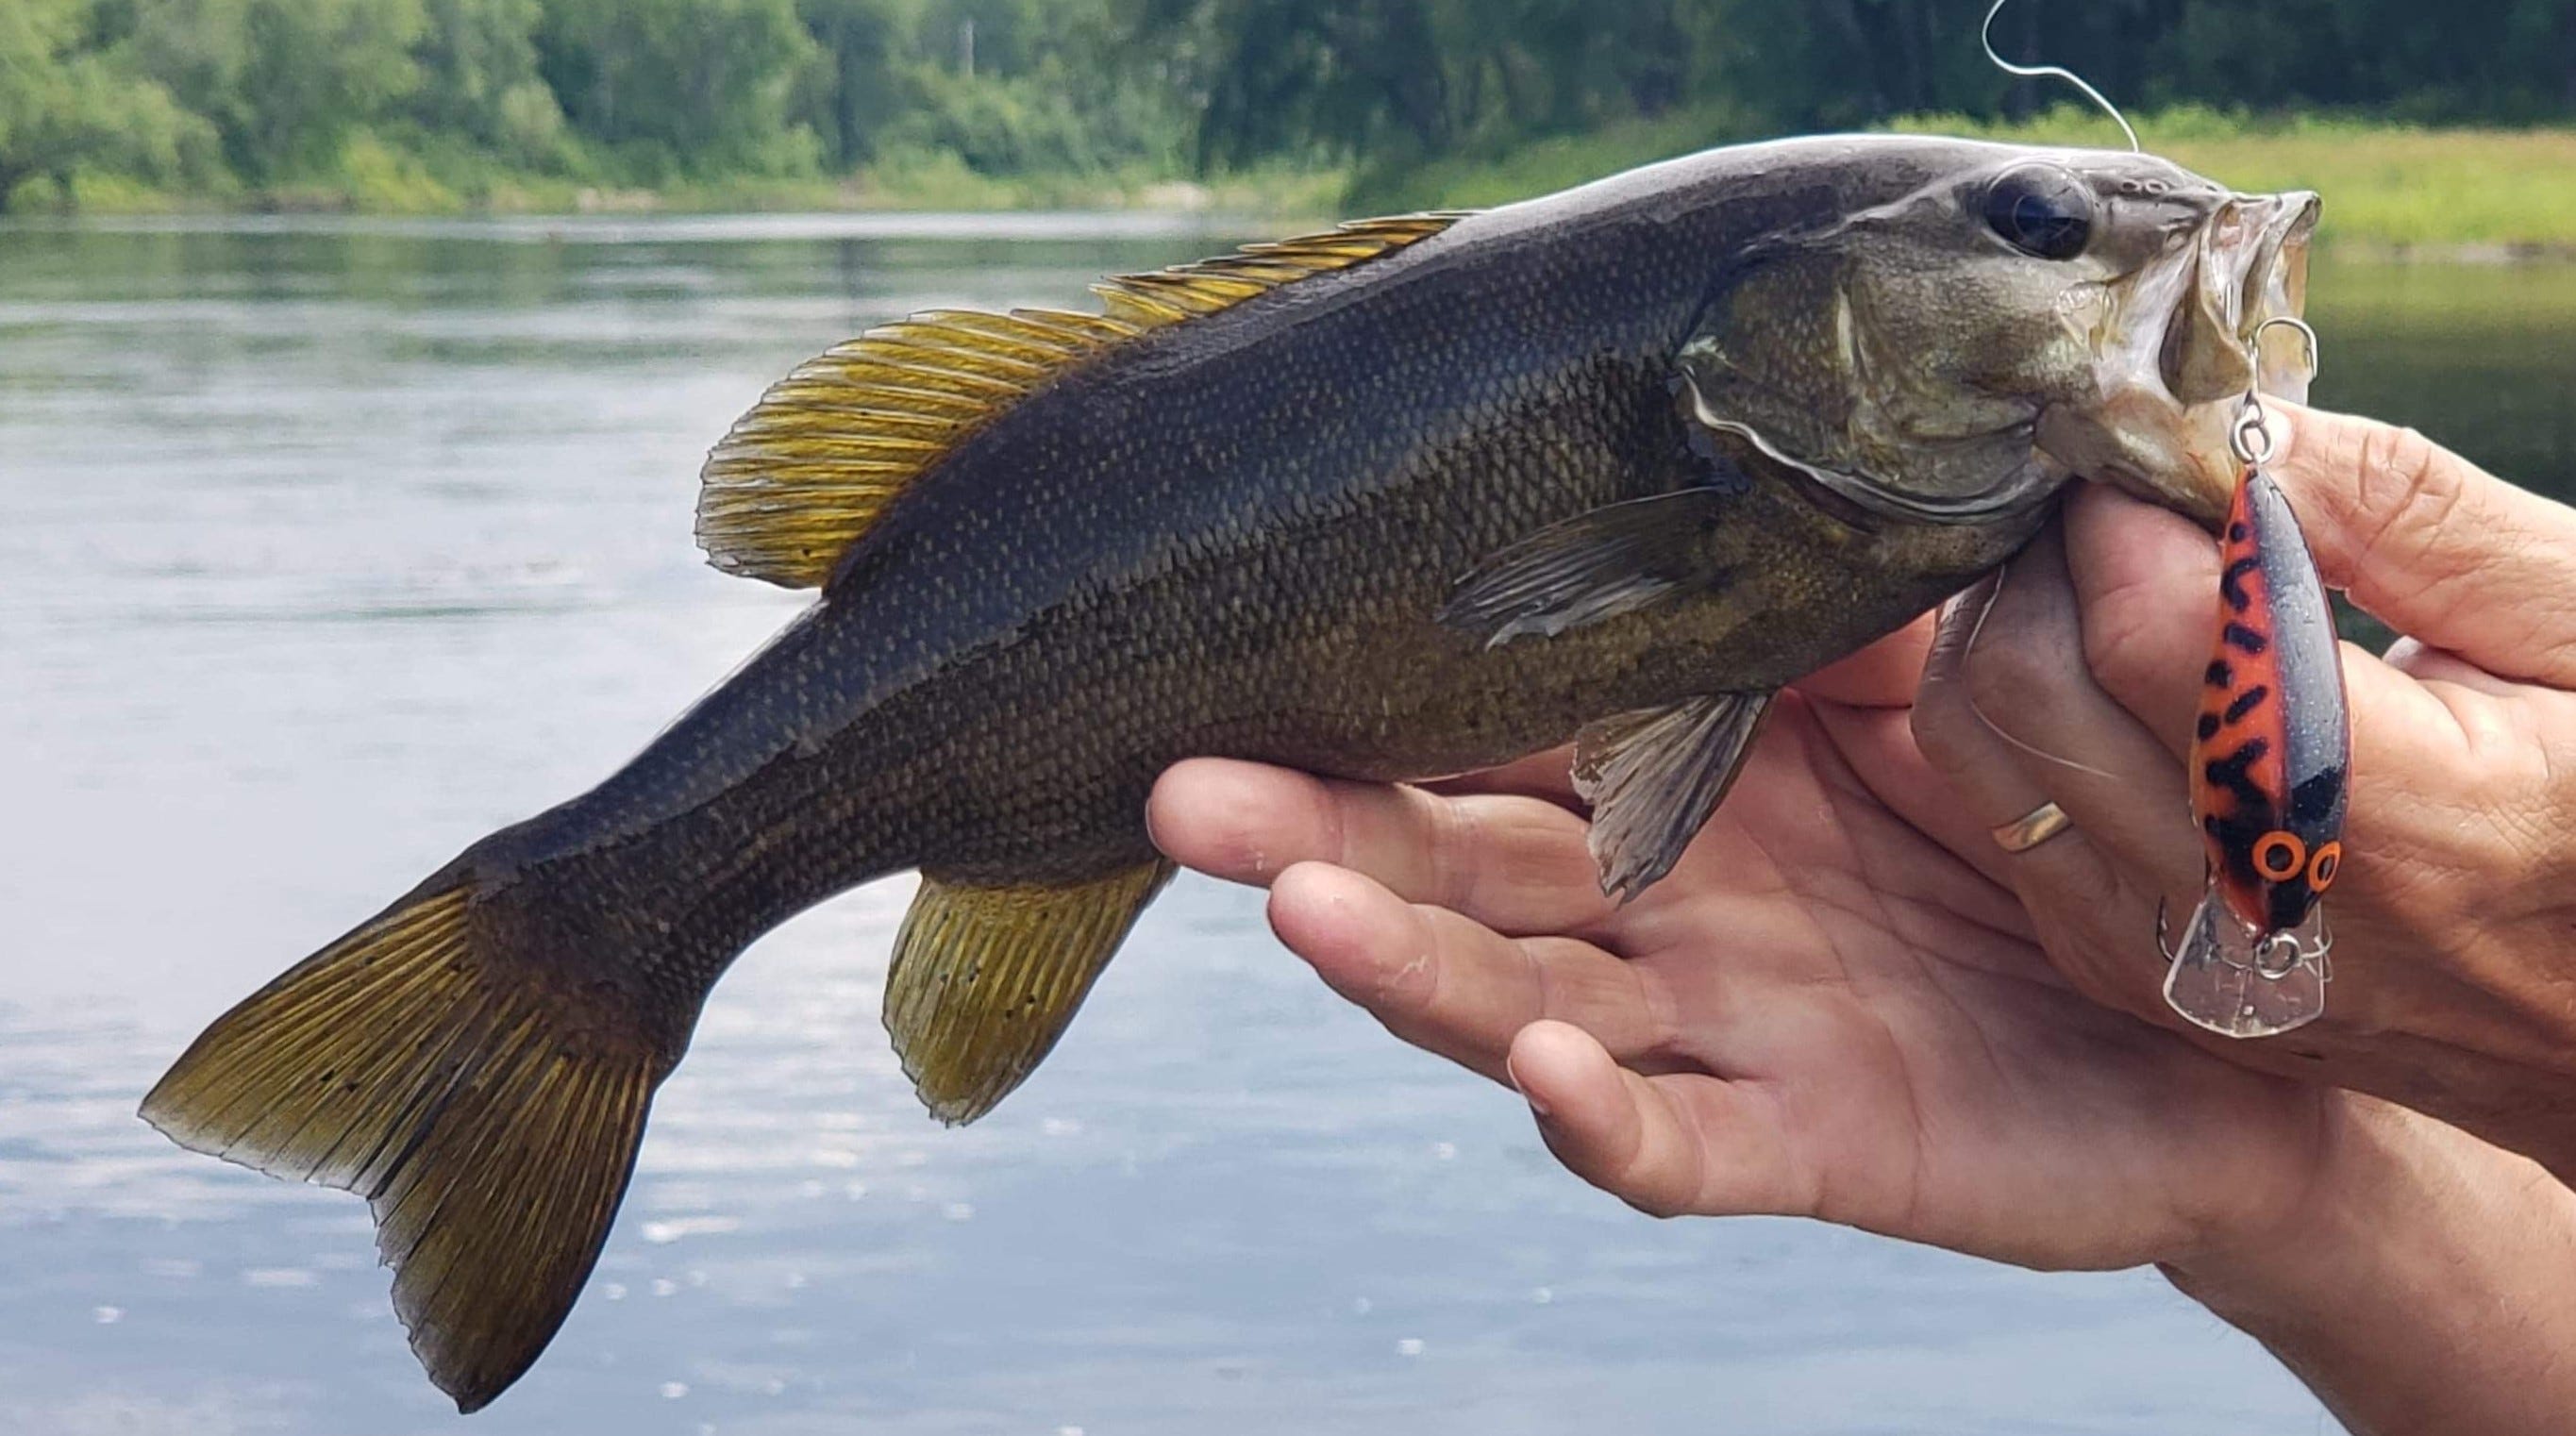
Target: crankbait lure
{"type": "Point", "coordinates": [2270, 759]}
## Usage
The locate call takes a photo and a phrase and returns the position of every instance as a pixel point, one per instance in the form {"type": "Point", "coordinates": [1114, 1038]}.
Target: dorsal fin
{"type": "Point", "coordinates": [803, 474]}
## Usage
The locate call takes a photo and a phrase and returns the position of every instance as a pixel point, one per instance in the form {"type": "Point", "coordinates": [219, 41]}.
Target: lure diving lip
{"type": "Point", "coordinates": [2270, 764]}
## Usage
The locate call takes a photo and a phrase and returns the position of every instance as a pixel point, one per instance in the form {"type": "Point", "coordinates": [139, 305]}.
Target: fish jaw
{"type": "Point", "coordinates": [2179, 345]}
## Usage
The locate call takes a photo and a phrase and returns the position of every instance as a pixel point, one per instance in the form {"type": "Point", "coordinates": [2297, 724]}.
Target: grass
{"type": "Point", "coordinates": [2388, 187]}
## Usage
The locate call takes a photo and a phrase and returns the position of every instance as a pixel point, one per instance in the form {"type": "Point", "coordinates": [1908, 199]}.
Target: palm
{"type": "Point", "coordinates": [1821, 1011]}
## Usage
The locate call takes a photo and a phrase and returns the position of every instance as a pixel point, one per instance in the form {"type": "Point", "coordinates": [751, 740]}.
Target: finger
{"type": "Point", "coordinates": [2433, 545]}
{"type": "Point", "coordinates": [2027, 674]}
{"type": "Point", "coordinates": [1880, 747]}
{"type": "Point", "coordinates": [1515, 864]}
{"type": "Point", "coordinates": [1548, 775]}
{"type": "Point", "coordinates": [1883, 675]}
{"type": "Point", "coordinates": [2146, 581]}
{"type": "Point", "coordinates": [2069, 883]}
{"type": "Point", "coordinates": [1455, 987]}
{"type": "Point", "coordinates": [1969, 750]}
{"type": "Point", "coordinates": [2427, 664]}
{"type": "Point", "coordinates": [1664, 1145]}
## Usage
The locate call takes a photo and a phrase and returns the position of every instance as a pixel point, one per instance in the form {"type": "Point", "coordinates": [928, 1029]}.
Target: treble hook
{"type": "Point", "coordinates": [2306, 334]}
{"type": "Point", "coordinates": [2250, 437]}
{"type": "Point", "coordinates": [1986, 38]}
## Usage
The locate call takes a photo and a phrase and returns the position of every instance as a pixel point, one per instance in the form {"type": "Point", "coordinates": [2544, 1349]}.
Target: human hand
{"type": "Point", "coordinates": [2456, 902]}
{"type": "Point", "coordinates": [1819, 1012]}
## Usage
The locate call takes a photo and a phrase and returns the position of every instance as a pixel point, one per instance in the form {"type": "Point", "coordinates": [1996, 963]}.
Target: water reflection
{"type": "Point", "coordinates": [327, 546]}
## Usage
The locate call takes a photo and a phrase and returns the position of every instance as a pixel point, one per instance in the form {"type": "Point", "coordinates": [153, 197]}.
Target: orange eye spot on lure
{"type": "Point", "coordinates": [2323, 866]}
{"type": "Point", "coordinates": [2280, 856]}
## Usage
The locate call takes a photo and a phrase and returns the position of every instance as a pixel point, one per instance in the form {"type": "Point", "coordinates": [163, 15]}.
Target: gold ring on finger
{"type": "Point", "coordinates": [2033, 828]}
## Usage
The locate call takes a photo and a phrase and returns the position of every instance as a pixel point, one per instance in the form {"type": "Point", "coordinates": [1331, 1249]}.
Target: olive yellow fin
{"type": "Point", "coordinates": [490, 1123]}
{"type": "Point", "coordinates": [1654, 775]}
{"type": "Point", "coordinates": [984, 979]}
{"type": "Point", "coordinates": [803, 474]}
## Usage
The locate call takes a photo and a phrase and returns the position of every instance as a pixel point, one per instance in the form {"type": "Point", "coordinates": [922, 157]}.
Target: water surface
{"type": "Point", "coordinates": [326, 546]}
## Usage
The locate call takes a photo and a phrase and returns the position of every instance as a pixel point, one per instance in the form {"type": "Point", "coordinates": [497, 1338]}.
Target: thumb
{"type": "Point", "coordinates": [2434, 546]}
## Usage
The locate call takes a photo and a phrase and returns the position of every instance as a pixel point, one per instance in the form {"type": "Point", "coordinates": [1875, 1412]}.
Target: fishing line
{"type": "Point", "coordinates": [1986, 38]}
{"type": "Point", "coordinates": [1968, 655]}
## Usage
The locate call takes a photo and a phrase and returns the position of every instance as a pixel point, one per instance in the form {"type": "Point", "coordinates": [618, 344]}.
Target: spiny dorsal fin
{"type": "Point", "coordinates": [804, 473]}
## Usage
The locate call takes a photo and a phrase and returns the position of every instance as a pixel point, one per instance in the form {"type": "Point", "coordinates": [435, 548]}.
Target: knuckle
{"type": "Point", "coordinates": [2403, 487]}
{"type": "Point", "coordinates": [1450, 833]}
{"type": "Point", "coordinates": [2118, 625]}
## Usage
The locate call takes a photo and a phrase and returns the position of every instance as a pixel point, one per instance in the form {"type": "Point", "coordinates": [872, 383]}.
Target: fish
{"type": "Point", "coordinates": [1406, 497]}
{"type": "Point", "coordinates": [2271, 763]}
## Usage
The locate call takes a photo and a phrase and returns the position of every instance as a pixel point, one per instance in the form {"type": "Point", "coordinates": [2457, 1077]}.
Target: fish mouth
{"type": "Point", "coordinates": [2180, 343]}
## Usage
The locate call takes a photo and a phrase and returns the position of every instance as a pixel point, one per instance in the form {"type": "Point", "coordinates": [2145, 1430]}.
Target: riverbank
{"type": "Point", "coordinates": [2391, 190]}
{"type": "Point", "coordinates": [376, 179]}
{"type": "Point", "coordinates": [2394, 190]}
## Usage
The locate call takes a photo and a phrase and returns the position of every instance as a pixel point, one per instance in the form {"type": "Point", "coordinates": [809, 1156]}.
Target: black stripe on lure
{"type": "Point", "coordinates": [2270, 760]}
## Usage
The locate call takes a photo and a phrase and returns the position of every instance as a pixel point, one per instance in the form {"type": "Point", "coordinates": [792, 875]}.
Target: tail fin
{"type": "Point", "coordinates": [489, 1119]}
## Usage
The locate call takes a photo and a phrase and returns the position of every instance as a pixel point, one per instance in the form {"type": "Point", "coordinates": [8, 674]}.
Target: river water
{"type": "Point", "coordinates": [327, 546]}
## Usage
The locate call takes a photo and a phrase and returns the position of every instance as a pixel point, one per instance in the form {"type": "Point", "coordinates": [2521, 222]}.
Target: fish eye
{"type": "Point", "coordinates": [2041, 210]}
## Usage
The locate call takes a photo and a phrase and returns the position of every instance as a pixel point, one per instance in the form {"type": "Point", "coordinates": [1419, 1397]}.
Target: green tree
{"type": "Point", "coordinates": [283, 81]}
{"type": "Point", "coordinates": [683, 86]}
{"type": "Point", "coordinates": [857, 86]}
{"type": "Point", "coordinates": [1274, 77]}
{"type": "Point", "coordinates": [479, 80]}
{"type": "Point", "coordinates": [65, 107]}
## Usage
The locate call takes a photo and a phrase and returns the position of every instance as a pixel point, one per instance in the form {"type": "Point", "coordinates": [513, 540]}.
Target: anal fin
{"type": "Point", "coordinates": [985, 979]}
{"type": "Point", "coordinates": [1654, 775]}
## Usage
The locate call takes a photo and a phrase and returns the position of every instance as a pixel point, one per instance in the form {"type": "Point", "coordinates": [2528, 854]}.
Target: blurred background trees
{"type": "Point", "coordinates": [249, 96]}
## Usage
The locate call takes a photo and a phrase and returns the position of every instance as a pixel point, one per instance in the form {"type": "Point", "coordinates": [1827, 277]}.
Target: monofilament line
{"type": "Point", "coordinates": [1986, 38]}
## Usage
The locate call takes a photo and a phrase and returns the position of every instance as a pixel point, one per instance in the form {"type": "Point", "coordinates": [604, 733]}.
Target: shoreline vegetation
{"type": "Point", "coordinates": [2458, 136]}
{"type": "Point", "coordinates": [2392, 190]}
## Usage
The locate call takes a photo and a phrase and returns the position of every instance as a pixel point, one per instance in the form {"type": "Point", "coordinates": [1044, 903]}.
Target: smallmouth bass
{"type": "Point", "coordinates": [1413, 496]}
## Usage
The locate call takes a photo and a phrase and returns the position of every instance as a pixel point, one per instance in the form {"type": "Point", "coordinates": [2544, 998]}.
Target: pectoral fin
{"type": "Point", "coordinates": [1654, 775]}
{"type": "Point", "coordinates": [1597, 565]}
{"type": "Point", "coordinates": [985, 978]}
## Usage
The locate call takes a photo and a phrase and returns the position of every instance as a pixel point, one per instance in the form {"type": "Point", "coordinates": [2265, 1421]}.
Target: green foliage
{"type": "Point", "coordinates": [437, 103]}
{"type": "Point", "coordinates": [479, 80]}
{"type": "Point", "coordinates": [680, 87]}
{"type": "Point", "coordinates": [66, 109]}
{"type": "Point", "coordinates": [282, 81]}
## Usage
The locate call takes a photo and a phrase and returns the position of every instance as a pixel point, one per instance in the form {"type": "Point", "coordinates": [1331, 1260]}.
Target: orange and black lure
{"type": "Point", "coordinates": [2270, 759]}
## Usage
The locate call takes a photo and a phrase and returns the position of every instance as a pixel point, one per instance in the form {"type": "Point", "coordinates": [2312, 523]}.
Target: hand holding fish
{"type": "Point", "coordinates": [1822, 1011]}
{"type": "Point", "coordinates": [2451, 909]}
